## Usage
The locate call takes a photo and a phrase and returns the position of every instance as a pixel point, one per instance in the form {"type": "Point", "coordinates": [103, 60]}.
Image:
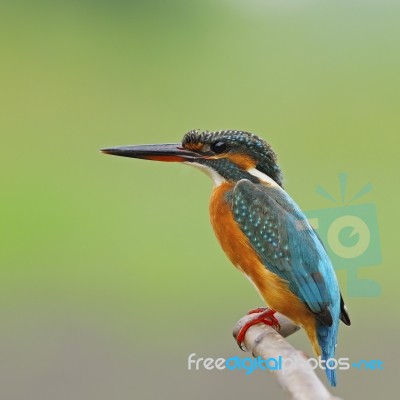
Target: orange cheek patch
{"type": "Point", "coordinates": [243, 161]}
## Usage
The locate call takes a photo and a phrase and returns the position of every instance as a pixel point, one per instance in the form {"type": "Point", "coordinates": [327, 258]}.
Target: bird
{"type": "Point", "coordinates": [263, 232]}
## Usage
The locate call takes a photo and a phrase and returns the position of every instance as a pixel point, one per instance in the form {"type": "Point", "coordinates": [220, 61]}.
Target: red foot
{"type": "Point", "coordinates": [258, 310]}
{"type": "Point", "coordinates": [264, 316]}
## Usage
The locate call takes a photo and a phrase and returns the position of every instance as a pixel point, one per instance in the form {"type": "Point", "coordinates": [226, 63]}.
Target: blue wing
{"type": "Point", "coordinates": [287, 245]}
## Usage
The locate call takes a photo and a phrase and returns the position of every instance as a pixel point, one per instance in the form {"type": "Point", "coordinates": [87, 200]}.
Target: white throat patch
{"type": "Point", "coordinates": [215, 176]}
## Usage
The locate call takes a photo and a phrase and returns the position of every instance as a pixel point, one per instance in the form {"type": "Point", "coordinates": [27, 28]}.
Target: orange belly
{"type": "Point", "coordinates": [273, 289]}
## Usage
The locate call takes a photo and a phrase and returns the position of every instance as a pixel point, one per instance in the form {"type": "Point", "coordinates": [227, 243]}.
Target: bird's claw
{"type": "Point", "coordinates": [264, 316]}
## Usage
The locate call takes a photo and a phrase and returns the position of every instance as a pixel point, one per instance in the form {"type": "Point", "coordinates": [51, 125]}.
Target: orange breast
{"type": "Point", "coordinates": [271, 287]}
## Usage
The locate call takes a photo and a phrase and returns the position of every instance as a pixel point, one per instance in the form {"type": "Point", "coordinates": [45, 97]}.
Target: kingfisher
{"type": "Point", "coordinates": [263, 232]}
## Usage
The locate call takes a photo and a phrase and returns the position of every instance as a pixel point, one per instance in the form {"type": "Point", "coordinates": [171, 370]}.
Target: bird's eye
{"type": "Point", "coordinates": [219, 147]}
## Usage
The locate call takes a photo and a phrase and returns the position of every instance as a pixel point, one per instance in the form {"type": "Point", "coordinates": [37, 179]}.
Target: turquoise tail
{"type": "Point", "coordinates": [327, 336]}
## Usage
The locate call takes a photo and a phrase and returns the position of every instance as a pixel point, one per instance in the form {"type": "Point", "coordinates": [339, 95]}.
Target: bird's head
{"type": "Point", "coordinates": [224, 155]}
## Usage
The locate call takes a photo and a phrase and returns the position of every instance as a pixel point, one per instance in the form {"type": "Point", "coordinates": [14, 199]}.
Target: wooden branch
{"type": "Point", "coordinates": [299, 380]}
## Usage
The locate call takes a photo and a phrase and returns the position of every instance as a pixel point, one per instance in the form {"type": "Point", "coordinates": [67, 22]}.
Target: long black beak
{"type": "Point", "coordinates": [172, 152]}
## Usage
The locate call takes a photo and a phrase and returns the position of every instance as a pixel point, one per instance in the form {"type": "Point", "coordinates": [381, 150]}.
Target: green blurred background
{"type": "Point", "coordinates": [110, 272]}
